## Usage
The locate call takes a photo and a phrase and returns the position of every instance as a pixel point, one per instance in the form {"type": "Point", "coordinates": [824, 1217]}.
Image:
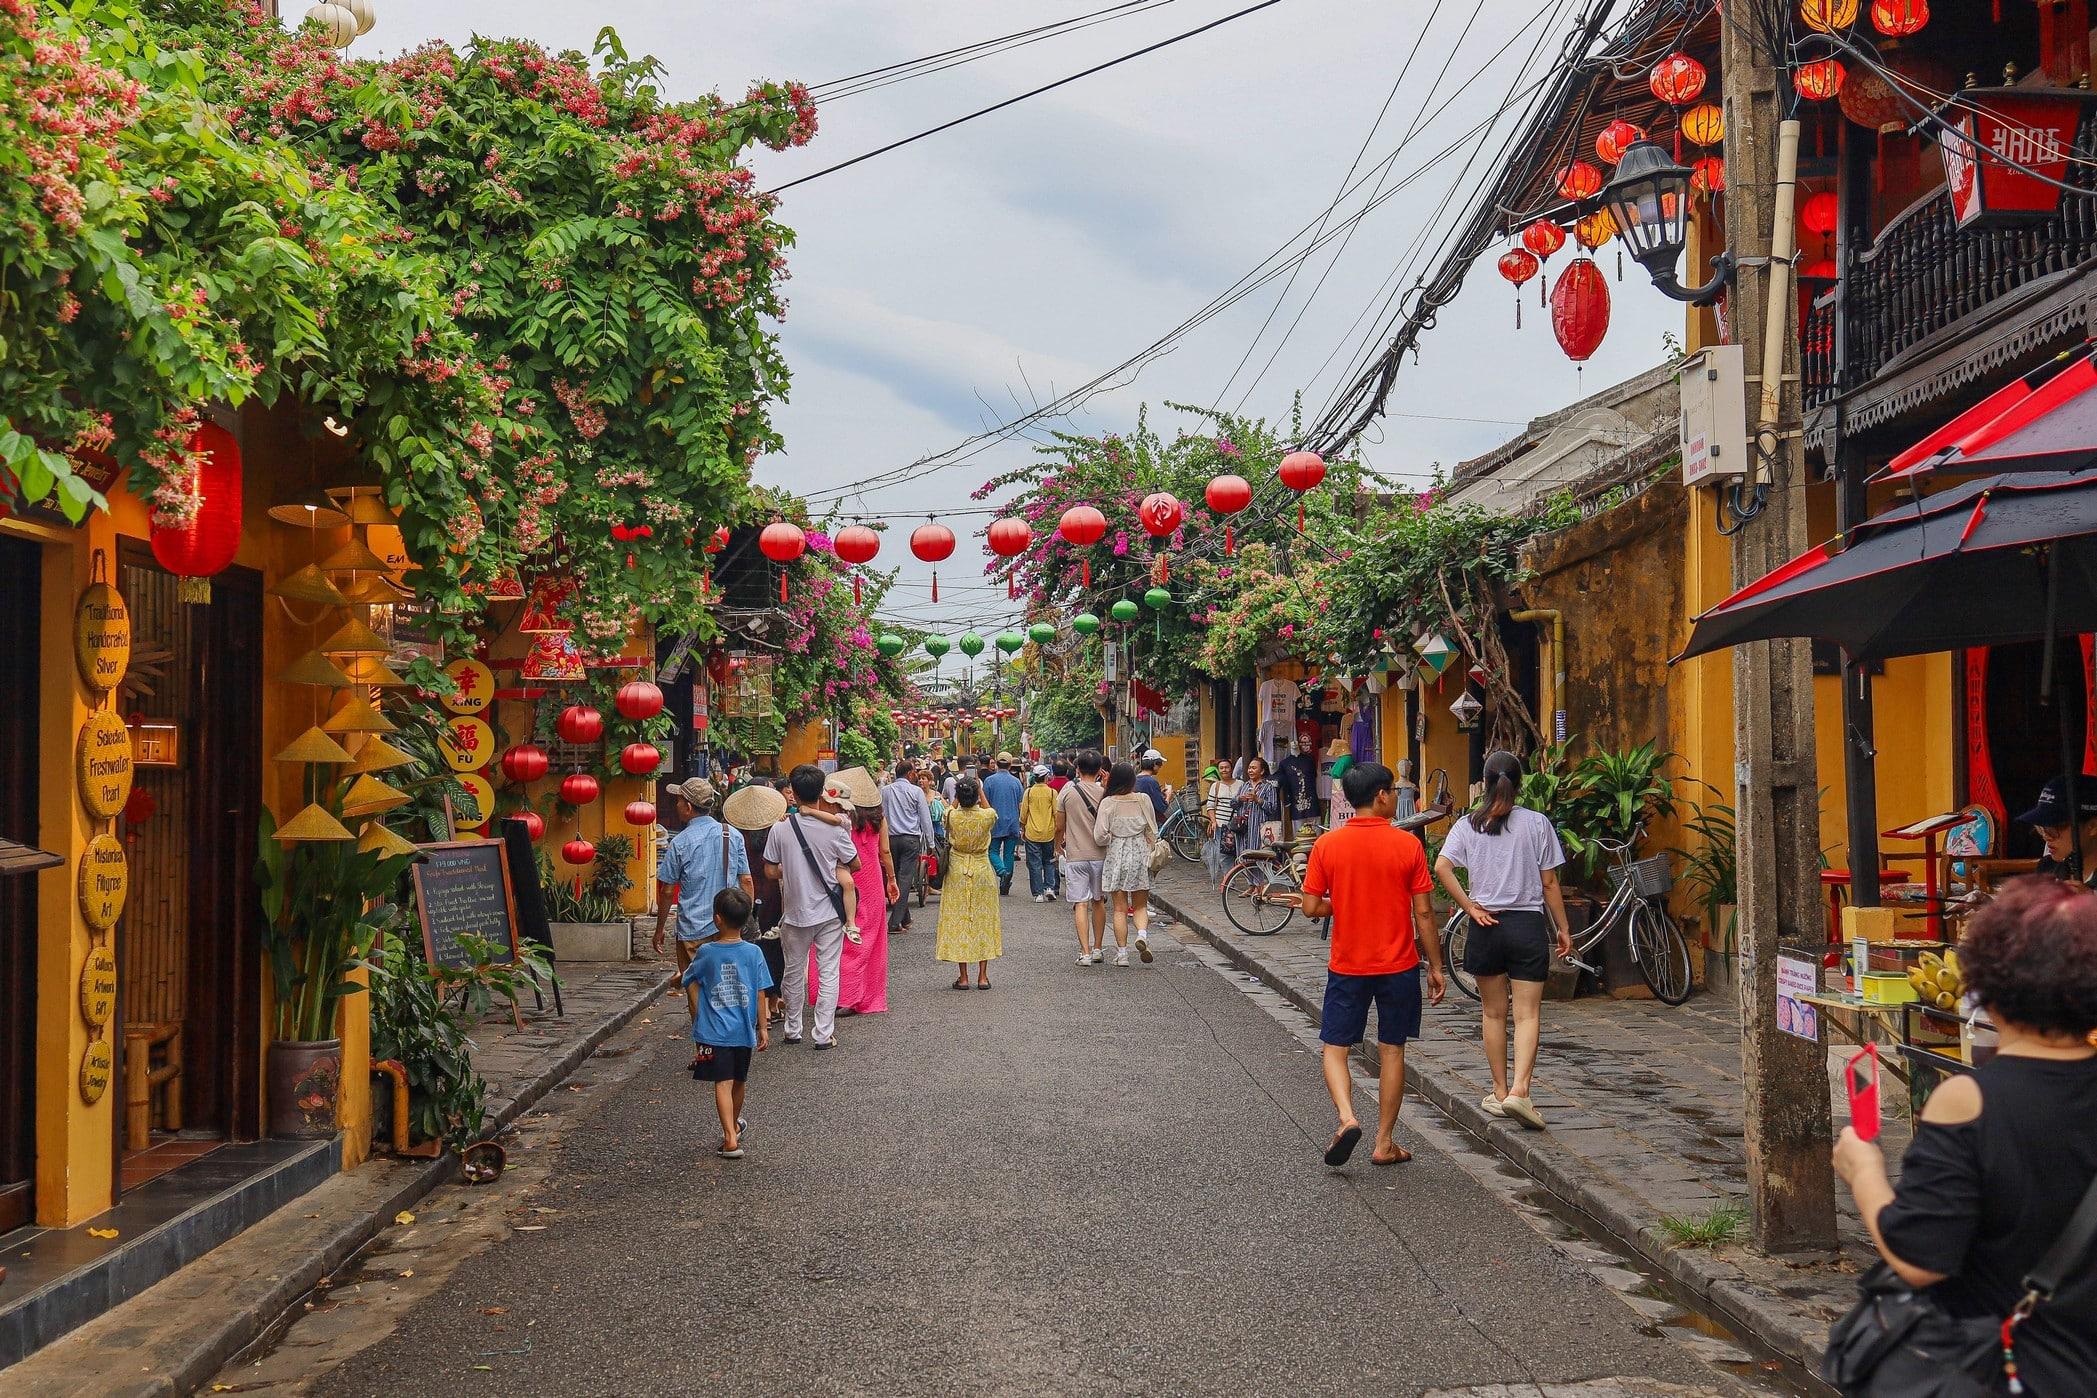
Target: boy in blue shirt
{"type": "Point", "coordinates": [727, 1025]}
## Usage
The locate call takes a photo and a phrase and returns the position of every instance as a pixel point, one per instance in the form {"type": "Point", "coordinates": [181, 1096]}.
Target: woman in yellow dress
{"type": "Point", "coordinates": [969, 928]}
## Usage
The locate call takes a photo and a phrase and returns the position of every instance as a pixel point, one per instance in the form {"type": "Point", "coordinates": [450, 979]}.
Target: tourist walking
{"type": "Point", "coordinates": [1002, 792]}
{"type": "Point", "coordinates": [970, 928]}
{"type": "Point", "coordinates": [1081, 858]}
{"type": "Point", "coordinates": [699, 861]}
{"type": "Point", "coordinates": [862, 968]}
{"type": "Point", "coordinates": [1147, 768]}
{"type": "Point", "coordinates": [729, 978]}
{"type": "Point", "coordinates": [1219, 815]}
{"type": "Point", "coordinates": [1037, 826]}
{"type": "Point", "coordinates": [2001, 1160]}
{"type": "Point", "coordinates": [907, 814]}
{"type": "Point", "coordinates": [754, 810]}
{"type": "Point", "coordinates": [1371, 879]}
{"type": "Point", "coordinates": [937, 804]}
{"type": "Point", "coordinates": [801, 852]}
{"type": "Point", "coordinates": [1127, 826]}
{"type": "Point", "coordinates": [1517, 910]}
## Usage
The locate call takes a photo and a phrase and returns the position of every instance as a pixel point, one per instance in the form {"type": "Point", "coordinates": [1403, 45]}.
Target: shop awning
{"type": "Point", "coordinates": [25, 859]}
{"type": "Point", "coordinates": [2044, 421]}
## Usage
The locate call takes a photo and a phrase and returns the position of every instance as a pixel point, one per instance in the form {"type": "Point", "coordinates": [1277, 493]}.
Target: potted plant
{"type": "Point", "coordinates": [1711, 871]}
{"type": "Point", "coordinates": [584, 912]}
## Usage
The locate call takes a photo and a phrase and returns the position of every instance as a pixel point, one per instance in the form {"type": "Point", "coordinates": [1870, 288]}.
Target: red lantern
{"type": "Point", "coordinates": [1616, 138]}
{"type": "Point", "coordinates": [1160, 513]}
{"type": "Point", "coordinates": [782, 542]}
{"type": "Point", "coordinates": [578, 851]}
{"type": "Point", "coordinates": [1518, 265]}
{"type": "Point", "coordinates": [640, 813]}
{"type": "Point", "coordinates": [1872, 102]}
{"type": "Point", "coordinates": [1083, 527]}
{"type": "Point", "coordinates": [638, 699]}
{"type": "Point", "coordinates": [1009, 538]}
{"type": "Point", "coordinates": [639, 759]}
{"type": "Point", "coordinates": [719, 540]}
{"type": "Point", "coordinates": [1543, 238]}
{"type": "Point", "coordinates": [1677, 80]}
{"type": "Point", "coordinates": [932, 543]}
{"type": "Point", "coordinates": [1820, 80]}
{"type": "Point", "coordinates": [579, 723]}
{"type": "Point", "coordinates": [579, 788]}
{"type": "Point", "coordinates": [1897, 19]}
{"type": "Point", "coordinates": [524, 763]}
{"type": "Point", "coordinates": [1818, 213]}
{"type": "Point", "coordinates": [1579, 180]}
{"type": "Point", "coordinates": [1227, 495]}
{"type": "Point", "coordinates": [534, 827]}
{"type": "Point", "coordinates": [204, 546]}
{"type": "Point", "coordinates": [1709, 174]}
{"type": "Point", "coordinates": [856, 544]}
{"type": "Point", "coordinates": [1301, 471]}
{"type": "Point", "coordinates": [1580, 309]}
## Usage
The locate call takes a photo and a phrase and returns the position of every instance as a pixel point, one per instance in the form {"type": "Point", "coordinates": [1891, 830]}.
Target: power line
{"type": "Point", "coordinates": [988, 48]}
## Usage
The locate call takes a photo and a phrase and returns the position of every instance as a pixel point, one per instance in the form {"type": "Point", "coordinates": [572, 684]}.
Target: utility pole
{"type": "Point", "coordinates": [1791, 1192]}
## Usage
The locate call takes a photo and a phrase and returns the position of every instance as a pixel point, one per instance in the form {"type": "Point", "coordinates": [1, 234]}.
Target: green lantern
{"type": "Point", "coordinates": [890, 644]}
{"type": "Point", "coordinates": [1084, 623]}
{"type": "Point", "coordinates": [1124, 611]}
{"type": "Point", "coordinates": [1041, 633]}
{"type": "Point", "coordinates": [1157, 599]}
{"type": "Point", "coordinates": [1010, 641]}
{"type": "Point", "coordinates": [971, 645]}
{"type": "Point", "coordinates": [937, 647]}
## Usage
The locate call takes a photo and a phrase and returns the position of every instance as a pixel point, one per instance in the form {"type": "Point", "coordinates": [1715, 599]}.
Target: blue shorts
{"type": "Point", "coordinates": [1347, 1000]}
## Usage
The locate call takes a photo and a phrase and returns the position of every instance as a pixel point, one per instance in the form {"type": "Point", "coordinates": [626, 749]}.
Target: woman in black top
{"type": "Point", "coordinates": [2002, 1157]}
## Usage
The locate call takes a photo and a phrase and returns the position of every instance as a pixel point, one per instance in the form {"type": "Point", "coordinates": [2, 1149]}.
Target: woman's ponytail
{"type": "Point", "coordinates": [1503, 775]}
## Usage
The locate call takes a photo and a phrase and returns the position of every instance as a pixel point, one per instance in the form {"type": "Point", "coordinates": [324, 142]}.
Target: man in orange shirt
{"type": "Point", "coordinates": [1372, 879]}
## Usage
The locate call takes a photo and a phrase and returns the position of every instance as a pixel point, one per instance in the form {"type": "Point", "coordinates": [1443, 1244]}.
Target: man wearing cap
{"type": "Point", "coordinates": [698, 862]}
{"type": "Point", "coordinates": [1002, 792]}
{"type": "Point", "coordinates": [1147, 780]}
{"type": "Point", "coordinates": [2051, 818]}
{"type": "Point", "coordinates": [909, 817]}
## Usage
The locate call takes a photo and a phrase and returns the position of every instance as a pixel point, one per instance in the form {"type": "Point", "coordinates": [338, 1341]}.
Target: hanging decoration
{"type": "Point", "coordinates": [1828, 16]}
{"type": "Point", "coordinates": [1085, 624]}
{"type": "Point", "coordinates": [579, 723]}
{"type": "Point", "coordinates": [890, 644]}
{"type": "Point", "coordinates": [1677, 80]}
{"type": "Point", "coordinates": [1010, 642]}
{"type": "Point", "coordinates": [1705, 124]}
{"type": "Point", "coordinates": [856, 545]}
{"type": "Point", "coordinates": [1871, 100]}
{"type": "Point", "coordinates": [1160, 514]}
{"type": "Point", "coordinates": [1819, 80]}
{"type": "Point", "coordinates": [1082, 526]}
{"type": "Point", "coordinates": [1616, 138]}
{"type": "Point", "coordinates": [1541, 237]}
{"type": "Point", "coordinates": [971, 644]}
{"type": "Point", "coordinates": [1578, 180]}
{"type": "Point", "coordinates": [579, 789]}
{"type": "Point", "coordinates": [1819, 213]}
{"type": "Point", "coordinates": [639, 759]}
{"type": "Point", "coordinates": [1124, 611]}
{"type": "Point", "coordinates": [937, 647]}
{"type": "Point", "coordinates": [1041, 633]}
{"type": "Point", "coordinates": [1009, 538]}
{"type": "Point", "coordinates": [638, 699]}
{"type": "Point", "coordinates": [932, 543]}
{"type": "Point", "coordinates": [1709, 174]}
{"type": "Point", "coordinates": [524, 763]}
{"type": "Point", "coordinates": [1897, 19]}
{"type": "Point", "coordinates": [540, 616]}
{"type": "Point", "coordinates": [1158, 599]}
{"type": "Point", "coordinates": [718, 541]}
{"type": "Point", "coordinates": [640, 814]}
{"type": "Point", "coordinates": [1227, 495]}
{"type": "Point", "coordinates": [578, 851]}
{"type": "Point", "coordinates": [205, 544]}
{"type": "Point", "coordinates": [782, 541]}
{"type": "Point", "coordinates": [553, 660]}
{"type": "Point", "coordinates": [1595, 229]}
{"type": "Point", "coordinates": [534, 823]}
{"type": "Point", "coordinates": [1518, 265]}
{"type": "Point", "coordinates": [1302, 471]}
{"type": "Point", "coordinates": [1580, 309]}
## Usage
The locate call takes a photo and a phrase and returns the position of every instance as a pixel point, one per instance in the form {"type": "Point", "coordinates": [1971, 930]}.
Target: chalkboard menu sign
{"type": "Point", "coordinates": [464, 887]}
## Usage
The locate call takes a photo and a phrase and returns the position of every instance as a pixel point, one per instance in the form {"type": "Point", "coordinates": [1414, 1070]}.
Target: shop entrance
{"type": "Point", "coordinates": [2013, 739]}
{"type": "Point", "coordinates": [20, 566]}
{"type": "Point", "coordinates": [189, 959]}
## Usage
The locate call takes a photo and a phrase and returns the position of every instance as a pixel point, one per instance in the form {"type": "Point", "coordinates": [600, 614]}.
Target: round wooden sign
{"type": "Point", "coordinates": [480, 794]}
{"type": "Point", "coordinates": [468, 743]}
{"type": "Point", "coordinates": [105, 881]}
{"type": "Point", "coordinates": [473, 686]}
{"type": "Point", "coordinates": [95, 1067]}
{"type": "Point", "coordinates": [102, 637]}
{"type": "Point", "coordinates": [98, 978]}
{"type": "Point", "coordinates": [102, 762]}
{"type": "Point", "coordinates": [389, 543]}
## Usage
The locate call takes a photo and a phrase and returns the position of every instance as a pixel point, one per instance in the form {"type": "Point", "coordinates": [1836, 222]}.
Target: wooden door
{"type": "Point", "coordinates": [19, 578]}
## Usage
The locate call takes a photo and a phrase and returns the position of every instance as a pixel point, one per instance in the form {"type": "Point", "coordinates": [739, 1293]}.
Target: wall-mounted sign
{"type": "Point", "coordinates": [474, 811]}
{"type": "Point", "coordinates": [413, 634]}
{"type": "Point", "coordinates": [105, 881]}
{"type": "Point", "coordinates": [156, 742]}
{"type": "Point", "coordinates": [473, 686]}
{"type": "Point", "coordinates": [467, 743]}
{"type": "Point", "coordinates": [98, 980]}
{"type": "Point", "coordinates": [95, 1067]}
{"type": "Point", "coordinates": [387, 541]}
{"type": "Point", "coordinates": [102, 637]}
{"type": "Point", "coordinates": [102, 762]}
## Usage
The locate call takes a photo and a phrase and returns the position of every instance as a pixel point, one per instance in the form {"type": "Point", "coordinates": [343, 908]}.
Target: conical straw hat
{"type": "Point", "coordinates": [313, 745]}
{"type": "Point", "coordinates": [373, 672]}
{"type": "Point", "coordinates": [311, 826]}
{"type": "Point", "coordinates": [866, 792]}
{"type": "Point", "coordinates": [315, 669]}
{"type": "Point", "coordinates": [376, 755]}
{"type": "Point", "coordinates": [353, 637]}
{"type": "Point", "coordinates": [369, 796]}
{"type": "Point", "coordinates": [380, 839]}
{"type": "Point", "coordinates": [308, 584]}
{"type": "Point", "coordinates": [754, 808]}
{"type": "Point", "coordinates": [375, 589]}
{"type": "Point", "coordinates": [367, 507]}
{"type": "Point", "coordinates": [356, 556]}
{"type": "Point", "coordinates": [358, 716]}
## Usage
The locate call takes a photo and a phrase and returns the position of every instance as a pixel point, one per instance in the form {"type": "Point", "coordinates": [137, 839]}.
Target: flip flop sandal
{"type": "Point", "coordinates": [1400, 1158]}
{"type": "Point", "coordinates": [1343, 1144]}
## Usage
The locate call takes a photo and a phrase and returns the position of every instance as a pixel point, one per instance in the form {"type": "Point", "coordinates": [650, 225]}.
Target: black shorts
{"type": "Point", "coordinates": [775, 959]}
{"type": "Point", "coordinates": [718, 1063]}
{"type": "Point", "coordinates": [1517, 945]}
{"type": "Point", "coordinates": [1347, 1000]}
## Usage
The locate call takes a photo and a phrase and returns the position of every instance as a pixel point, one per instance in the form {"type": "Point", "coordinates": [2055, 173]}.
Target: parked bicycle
{"type": "Point", "coordinates": [1182, 828]}
{"type": "Point", "coordinates": [1263, 890]}
{"type": "Point", "coordinates": [1639, 905]}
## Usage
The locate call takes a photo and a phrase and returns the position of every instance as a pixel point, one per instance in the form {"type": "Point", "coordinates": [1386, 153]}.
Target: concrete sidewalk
{"type": "Point", "coordinates": [1644, 1104]}
{"type": "Point", "coordinates": [174, 1336]}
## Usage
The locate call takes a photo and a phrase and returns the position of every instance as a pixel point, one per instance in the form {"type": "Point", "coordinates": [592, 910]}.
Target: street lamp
{"type": "Point", "coordinates": [1649, 199]}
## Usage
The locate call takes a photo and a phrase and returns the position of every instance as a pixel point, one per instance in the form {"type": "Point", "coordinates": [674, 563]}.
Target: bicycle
{"type": "Point", "coordinates": [1262, 891]}
{"type": "Point", "coordinates": [1182, 828]}
{"type": "Point", "coordinates": [1639, 904]}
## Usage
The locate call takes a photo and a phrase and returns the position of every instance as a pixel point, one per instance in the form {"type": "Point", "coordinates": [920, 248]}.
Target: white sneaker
{"type": "Point", "coordinates": [1090, 958]}
{"type": "Point", "coordinates": [1121, 956]}
{"type": "Point", "coordinates": [1143, 947]}
{"type": "Point", "coordinates": [1492, 1105]}
{"type": "Point", "coordinates": [1524, 1111]}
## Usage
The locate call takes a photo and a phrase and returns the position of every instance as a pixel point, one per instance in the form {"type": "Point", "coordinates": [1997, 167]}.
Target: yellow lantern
{"type": "Point", "coordinates": [1705, 124]}
{"type": "Point", "coordinates": [1828, 16]}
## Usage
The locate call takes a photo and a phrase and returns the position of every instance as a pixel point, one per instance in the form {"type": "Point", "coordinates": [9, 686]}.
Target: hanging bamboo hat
{"type": "Point", "coordinates": [356, 556]}
{"type": "Point", "coordinates": [369, 796]}
{"type": "Point", "coordinates": [315, 669]}
{"type": "Point", "coordinates": [373, 672]}
{"type": "Point", "coordinates": [379, 838]}
{"type": "Point", "coordinates": [376, 755]}
{"type": "Point", "coordinates": [308, 584]}
{"type": "Point", "coordinates": [314, 745]}
{"type": "Point", "coordinates": [353, 637]}
{"type": "Point", "coordinates": [313, 825]}
{"type": "Point", "coordinates": [375, 589]}
{"type": "Point", "coordinates": [358, 716]}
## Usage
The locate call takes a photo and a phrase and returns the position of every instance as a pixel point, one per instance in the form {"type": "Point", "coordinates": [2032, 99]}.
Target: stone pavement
{"type": "Point", "coordinates": [173, 1337]}
{"type": "Point", "coordinates": [1645, 1110]}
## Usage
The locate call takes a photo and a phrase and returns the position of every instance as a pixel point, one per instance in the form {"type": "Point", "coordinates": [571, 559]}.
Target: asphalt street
{"type": "Point", "coordinates": [1081, 1180]}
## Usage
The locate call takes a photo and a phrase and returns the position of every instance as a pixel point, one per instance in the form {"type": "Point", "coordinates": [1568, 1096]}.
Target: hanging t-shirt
{"type": "Point", "coordinates": [1298, 778]}
{"type": "Point", "coordinates": [1277, 710]}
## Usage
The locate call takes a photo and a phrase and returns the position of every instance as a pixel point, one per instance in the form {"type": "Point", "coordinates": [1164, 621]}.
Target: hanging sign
{"type": "Point", "coordinates": [95, 1068]}
{"type": "Point", "coordinates": [102, 762]}
{"type": "Point", "coordinates": [467, 743]}
{"type": "Point", "coordinates": [473, 686]}
{"type": "Point", "coordinates": [105, 881]}
{"type": "Point", "coordinates": [387, 541]}
{"type": "Point", "coordinates": [102, 637]}
{"type": "Point", "coordinates": [98, 983]}
{"type": "Point", "coordinates": [2007, 151]}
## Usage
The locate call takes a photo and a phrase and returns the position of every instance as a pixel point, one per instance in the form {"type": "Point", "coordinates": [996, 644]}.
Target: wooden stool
{"type": "Point", "coordinates": [142, 1078]}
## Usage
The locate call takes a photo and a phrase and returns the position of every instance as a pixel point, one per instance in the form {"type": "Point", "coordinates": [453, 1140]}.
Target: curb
{"type": "Point", "coordinates": [1711, 1281]}
{"type": "Point", "coordinates": [185, 1360]}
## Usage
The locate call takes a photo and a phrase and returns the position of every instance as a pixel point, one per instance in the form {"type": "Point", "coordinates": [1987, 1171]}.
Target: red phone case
{"type": "Point", "coordinates": [1861, 1076]}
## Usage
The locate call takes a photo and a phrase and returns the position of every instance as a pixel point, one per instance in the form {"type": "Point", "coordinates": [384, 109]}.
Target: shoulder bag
{"type": "Point", "coordinates": [837, 895]}
{"type": "Point", "coordinates": [1897, 1342]}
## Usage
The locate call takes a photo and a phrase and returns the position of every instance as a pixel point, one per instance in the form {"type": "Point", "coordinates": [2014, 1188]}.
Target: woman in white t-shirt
{"type": "Point", "coordinates": [1516, 908]}
{"type": "Point", "coordinates": [1219, 812]}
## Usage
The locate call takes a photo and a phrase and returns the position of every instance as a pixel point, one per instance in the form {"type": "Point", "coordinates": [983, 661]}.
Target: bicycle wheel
{"type": "Point", "coordinates": [1249, 904]}
{"type": "Point", "coordinates": [1661, 954]}
{"type": "Point", "coordinates": [1456, 933]}
{"type": "Point", "coordinates": [1186, 841]}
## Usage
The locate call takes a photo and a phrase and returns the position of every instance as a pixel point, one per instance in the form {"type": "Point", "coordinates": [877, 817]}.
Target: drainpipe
{"type": "Point", "coordinates": [1539, 615]}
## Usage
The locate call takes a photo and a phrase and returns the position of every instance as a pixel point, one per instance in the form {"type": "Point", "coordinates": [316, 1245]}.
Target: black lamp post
{"type": "Point", "coordinates": [1649, 199]}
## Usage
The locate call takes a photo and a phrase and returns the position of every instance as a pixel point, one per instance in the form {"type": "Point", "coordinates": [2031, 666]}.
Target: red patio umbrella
{"type": "Point", "coordinates": [2044, 421]}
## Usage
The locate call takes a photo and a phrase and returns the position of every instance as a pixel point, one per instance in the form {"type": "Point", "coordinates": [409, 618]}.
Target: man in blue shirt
{"type": "Point", "coordinates": [908, 813]}
{"type": "Point", "coordinates": [1147, 780]}
{"type": "Point", "coordinates": [730, 977]}
{"type": "Point", "coordinates": [700, 860]}
{"type": "Point", "coordinates": [1003, 790]}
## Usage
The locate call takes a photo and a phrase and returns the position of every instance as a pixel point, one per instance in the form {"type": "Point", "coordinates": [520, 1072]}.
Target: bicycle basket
{"type": "Point", "coordinates": [1188, 799]}
{"type": "Point", "coordinates": [1649, 878]}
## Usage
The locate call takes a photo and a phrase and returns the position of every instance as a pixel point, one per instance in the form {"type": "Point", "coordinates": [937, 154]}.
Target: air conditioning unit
{"type": "Point", "coordinates": [1714, 416]}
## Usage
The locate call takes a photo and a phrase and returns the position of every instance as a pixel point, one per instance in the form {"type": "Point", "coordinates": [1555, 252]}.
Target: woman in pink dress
{"type": "Point", "coordinates": [862, 973]}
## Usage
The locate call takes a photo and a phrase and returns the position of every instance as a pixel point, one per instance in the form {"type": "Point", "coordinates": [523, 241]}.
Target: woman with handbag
{"type": "Point", "coordinates": [969, 921]}
{"type": "Point", "coordinates": [1990, 1241]}
{"type": "Point", "coordinates": [1219, 808]}
{"type": "Point", "coordinates": [1126, 824]}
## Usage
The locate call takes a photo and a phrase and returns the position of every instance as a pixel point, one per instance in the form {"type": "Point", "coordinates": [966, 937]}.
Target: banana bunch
{"type": "Point", "coordinates": [1937, 979]}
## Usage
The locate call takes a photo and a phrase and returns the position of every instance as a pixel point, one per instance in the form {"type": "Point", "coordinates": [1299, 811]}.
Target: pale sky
{"type": "Point", "coordinates": [1035, 248]}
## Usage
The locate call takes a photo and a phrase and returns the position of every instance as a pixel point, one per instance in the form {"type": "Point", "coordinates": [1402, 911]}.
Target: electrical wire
{"type": "Point", "coordinates": [988, 48]}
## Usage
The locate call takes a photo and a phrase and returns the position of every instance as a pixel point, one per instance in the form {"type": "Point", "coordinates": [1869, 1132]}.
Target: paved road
{"type": "Point", "coordinates": [1092, 1180]}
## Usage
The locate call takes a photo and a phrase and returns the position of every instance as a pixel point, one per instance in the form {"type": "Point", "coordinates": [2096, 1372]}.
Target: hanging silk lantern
{"type": "Point", "coordinates": [1010, 642]}
{"type": "Point", "coordinates": [638, 699]}
{"type": "Point", "coordinates": [1580, 309]}
{"type": "Point", "coordinates": [1009, 538]}
{"type": "Point", "coordinates": [1705, 123]}
{"type": "Point", "coordinates": [719, 540]}
{"type": "Point", "coordinates": [1518, 265]}
{"type": "Point", "coordinates": [1897, 19]}
{"type": "Point", "coordinates": [579, 789]}
{"type": "Point", "coordinates": [971, 645]}
{"type": "Point", "coordinates": [1828, 16]}
{"type": "Point", "coordinates": [1677, 80]}
{"type": "Point", "coordinates": [1083, 527]}
{"type": "Point", "coordinates": [1594, 230]}
{"type": "Point", "coordinates": [856, 544]}
{"type": "Point", "coordinates": [932, 543]}
{"type": "Point", "coordinates": [1160, 513]}
{"type": "Point", "coordinates": [1709, 174]}
{"type": "Point", "coordinates": [205, 546]}
{"type": "Point", "coordinates": [1084, 623]}
{"type": "Point", "coordinates": [1543, 238]}
{"type": "Point", "coordinates": [1820, 80]}
{"type": "Point", "coordinates": [1616, 138]}
{"type": "Point", "coordinates": [937, 647]}
{"type": "Point", "coordinates": [782, 542]}
{"type": "Point", "coordinates": [526, 762]}
{"type": "Point", "coordinates": [1871, 101]}
{"type": "Point", "coordinates": [639, 759]}
{"type": "Point", "coordinates": [1124, 611]}
{"type": "Point", "coordinates": [553, 660]}
{"type": "Point", "coordinates": [579, 723]}
{"type": "Point", "coordinates": [1578, 180]}
{"type": "Point", "coordinates": [578, 851]}
{"type": "Point", "coordinates": [890, 644]}
{"type": "Point", "coordinates": [1300, 471]}
{"type": "Point", "coordinates": [1041, 633]}
{"type": "Point", "coordinates": [1819, 212]}
{"type": "Point", "coordinates": [1227, 495]}
{"type": "Point", "coordinates": [534, 824]}
{"type": "Point", "coordinates": [640, 814]}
